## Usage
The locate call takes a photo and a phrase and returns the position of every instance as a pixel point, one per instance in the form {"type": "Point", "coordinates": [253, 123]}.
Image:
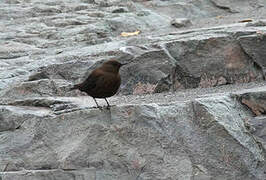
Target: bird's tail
{"type": "Point", "coordinates": [76, 86]}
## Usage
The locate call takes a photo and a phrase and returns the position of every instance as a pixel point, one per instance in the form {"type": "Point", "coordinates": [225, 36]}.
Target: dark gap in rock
{"type": "Point", "coordinates": [225, 8]}
{"type": "Point", "coordinates": [18, 127]}
{"type": "Point", "coordinates": [38, 76]}
{"type": "Point", "coordinates": [254, 63]}
{"type": "Point", "coordinates": [184, 78]}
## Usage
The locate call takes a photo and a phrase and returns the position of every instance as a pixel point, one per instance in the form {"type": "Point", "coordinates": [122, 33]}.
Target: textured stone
{"type": "Point", "coordinates": [69, 54]}
{"type": "Point", "coordinates": [255, 101]}
{"type": "Point", "coordinates": [49, 174]}
{"type": "Point", "coordinates": [12, 117]}
{"type": "Point", "coordinates": [43, 87]}
{"type": "Point", "coordinates": [144, 71]}
{"type": "Point", "coordinates": [132, 141]}
{"type": "Point", "coordinates": [11, 50]}
{"type": "Point", "coordinates": [88, 136]}
{"type": "Point", "coordinates": [201, 127]}
{"type": "Point", "coordinates": [180, 22]}
{"type": "Point", "coordinates": [257, 126]}
{"type": "Point", "coordinates": [254, 46]}
{"type": "Point", "coordinates": [218, 57]}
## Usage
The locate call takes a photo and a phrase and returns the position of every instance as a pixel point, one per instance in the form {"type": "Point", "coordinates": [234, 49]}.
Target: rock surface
{"type": "Point", "coordinates": [195, 105]}
{"type": "Point", "coordinates": [189, 138]}
{"type": "Point", "coordinates": [61, 40]}
{"type": "Point", "coordinates": [180, 22]}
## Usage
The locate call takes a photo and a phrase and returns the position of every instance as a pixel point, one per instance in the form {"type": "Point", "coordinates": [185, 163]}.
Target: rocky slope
{"type": "Point", "coordinates": [192, 99]}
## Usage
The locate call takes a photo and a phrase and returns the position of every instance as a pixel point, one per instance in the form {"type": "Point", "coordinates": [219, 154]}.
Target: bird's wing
{"type": "Point", "coordinates": [91, 81]}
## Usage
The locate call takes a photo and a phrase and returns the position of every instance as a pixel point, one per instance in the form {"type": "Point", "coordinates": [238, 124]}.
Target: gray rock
{"type": "Point", "coordinates": [132, 141]}
{"type": "Point", "coordinates": [124, 159]}
{"type": "Point", "coordinates": [257, 127]}
{"type": "Point", "coordinates": [48, 174]}
{"type": "Point", "coordinates": [43, 87]}
{"type": "Point", "coordinates": [255, 101]}
{"type": "Point", "coordinates": [145, 70]}
{"type": "Point", "coordinates": [254, 46]}
{"type": "Point", "coordinates": [201, 127]}
{"type": "Point", "coordinates": [129, 22]}
{"type": "Point", "coordinates": [210, 62]}
{"type": "Point", "coordinates": [11, 50]}
{"type": "Point", "coordinates": [181, 22]}
{"type": "Point", "coordinates": [119, 10]}
{"type": "Point", "coordinates": [12, 117]}
{"type": "Point", "coordinates": [57, 39]}
{"type": "Point", "coordinates": [257, 23]}
{"type": "Point", "coordinates": [235, 128]}
{"type": "Point", "coordinates": [226, 5]}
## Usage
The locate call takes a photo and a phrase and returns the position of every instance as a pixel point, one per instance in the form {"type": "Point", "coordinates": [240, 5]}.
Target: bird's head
{"type": "Point", "coordinates": [112, 66]}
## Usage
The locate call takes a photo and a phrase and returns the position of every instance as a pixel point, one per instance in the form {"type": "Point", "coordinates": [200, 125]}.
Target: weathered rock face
{"type": "Point", "coordinates": [61, 40]}
{"type": "Point", "coordinates": [255, 101]}
{"type": "Point", "coordinates": [253, 46]}
{"type": "Point", "coordinates": [211, 62]}
{"type": "Point", "coordinates": [205, 58]}
{"type": "Point", "coordinates": [189, 139]}
{"type": "Point", "coordinates": [201, 130]}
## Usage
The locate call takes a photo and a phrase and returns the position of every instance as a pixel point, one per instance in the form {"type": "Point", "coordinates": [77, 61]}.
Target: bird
{"type": "Point", "coordinates": [103, 82]}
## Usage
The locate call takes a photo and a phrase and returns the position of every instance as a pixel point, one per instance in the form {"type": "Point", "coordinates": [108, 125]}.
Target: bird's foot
{"type": "Point", "coordinates": [98, 107]}
{"type": "Point", "coordinates": [102, 107]}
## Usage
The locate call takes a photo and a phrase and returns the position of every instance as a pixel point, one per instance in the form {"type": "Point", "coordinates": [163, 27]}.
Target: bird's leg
{"type": "Point", "coordinates": [97, 103]}
{"type": "Point", "coordinates": [108, 105]}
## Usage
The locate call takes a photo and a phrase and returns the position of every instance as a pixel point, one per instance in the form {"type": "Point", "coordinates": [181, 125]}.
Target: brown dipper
{"type": "Point", "coordinates": [103, 82]}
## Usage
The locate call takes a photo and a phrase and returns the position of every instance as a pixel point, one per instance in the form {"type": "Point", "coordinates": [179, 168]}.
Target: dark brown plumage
{"type": "Point", "coordinates": [103, 82]}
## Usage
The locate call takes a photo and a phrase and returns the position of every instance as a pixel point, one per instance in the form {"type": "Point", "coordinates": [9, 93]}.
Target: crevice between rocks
{"type": "Point", "coordinates": [255, 64]}
{"type": "Point", "coordinates": [13, 129]}
{"type": "Point", "coordinates": [46, 103]}
{"type": "Point", "coordinates": [39, 169]}
{"type": "Point", "coordinates": [225, 8]}
{"type": "Point", "coordinates": [247, 126]}
{"type": "Point", "coordinates": [182, 77]}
